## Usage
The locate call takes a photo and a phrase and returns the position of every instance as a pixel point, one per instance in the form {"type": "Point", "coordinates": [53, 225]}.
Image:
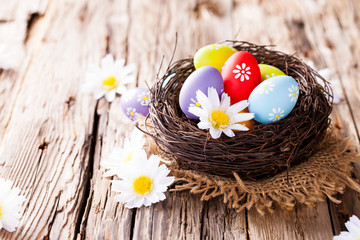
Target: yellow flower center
{"type": "Point", "coordinates": [1, 211]}
{"type": "Point", "coordinates": [277, 116]}
{"type": "Point", "coordinates": [110, 83]}
{"type": "Point", "coordinates": [265, 87]}
{"type": "Point", "coordinates": [197, 104]}
{"type": "Point", "coordinates": [219, 119]}
{"type": "Point", "coordinates": [294, 94]}
{"type": "Point", "coordinates": [142, 185]}
{"type": "Point", "coordinates": [132, 113]}
{"type": "Point", "coordinates": [128, 157]}
{"type": "Point", "coordinates": [145, 98]}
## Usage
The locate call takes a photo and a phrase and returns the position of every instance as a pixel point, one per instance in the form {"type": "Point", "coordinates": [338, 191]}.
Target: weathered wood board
{"type": "Point", "coordinates": [53, 136]}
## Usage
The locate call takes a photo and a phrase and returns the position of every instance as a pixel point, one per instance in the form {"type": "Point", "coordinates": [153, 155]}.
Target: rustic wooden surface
{"type": "Point", "coordinates": [53, 137]}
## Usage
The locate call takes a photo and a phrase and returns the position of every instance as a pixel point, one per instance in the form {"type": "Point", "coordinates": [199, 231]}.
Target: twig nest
{"type": "Point", "coordinates": [265, 150]}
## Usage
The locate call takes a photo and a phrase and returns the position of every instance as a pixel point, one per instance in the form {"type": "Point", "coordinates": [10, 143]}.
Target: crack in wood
{"type": "Point", "coordinates": [204, 211]}
{"type": "Point", "coordinates": [51, 223]}
{"type": "Point", "coordinates": [83, 210]}
{"type": "Point", "coordinates": [247, 225]}
{"type": "Point", "coordinates": [330, 213]}
{"type": "Point", "coordinates": [32, 19]}
{"type": "Point", "coordinates": [132, 225]}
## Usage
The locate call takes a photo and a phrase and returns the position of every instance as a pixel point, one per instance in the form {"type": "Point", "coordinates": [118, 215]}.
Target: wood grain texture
{"type": "Point", "coordinates": [46, 145]}
{"type": "Point", "coordinates": [53, 137]}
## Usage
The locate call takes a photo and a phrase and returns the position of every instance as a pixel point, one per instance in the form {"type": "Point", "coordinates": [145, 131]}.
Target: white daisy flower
{"type": "Point", "coordinates": [108, 79]}
{"type": "Point", "coordinates": [194, 103]}
{"type": "Point", "coordinates": [7, 60]}
{"type": "Point", "coordinates": [10, 203]}
{"type": "Point", "coordinates": [144, 98]}
{"type": "Point", "coordinates": [131, 113]}
{"type": "Point", "coordinates": [294, 93]}
{"type": "Point", "coordinates": [276, 115]}
{"type": "Point", "coordinates": [119, 158]}
{"type": "Point", "coordinates": [353, 227]}
{"type": "Point", "coordinates": [143, 183]}
{"type": "Point", "coordinates": [219, 116]}
{"type": "Point", "coordinates": [268, 86]}
{"type": "Point", "coordinates": [242, 72]}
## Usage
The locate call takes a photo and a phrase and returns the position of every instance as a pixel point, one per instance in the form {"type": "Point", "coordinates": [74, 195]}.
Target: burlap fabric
{"type": "Point", "coordinates": [325, 174]}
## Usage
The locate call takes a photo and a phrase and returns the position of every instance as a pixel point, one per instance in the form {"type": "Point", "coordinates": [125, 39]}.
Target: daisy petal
{"type": "Point", "coordinates": [241, 117]}
{"type": "Point", "coordinates": [107, 62]}
{"type": "Point", "coordinates": [214, 97]}
{"type": "Point", "coordinates": [197, 111]}
{"type": "Point", "coordinates": [10, 205]}
{"type": "Point", "coordinates": [204, 125]}
{"type": "Point", "coordinates": [228, 132]}
{"type": "Point", "coordinates": [203, 100]}
{"type": "Point", "coordinates": [238, 107]}
{"type": "Point", "coordinates": [215, 133]}
{"type": "Point", "coordinates": [99, 94]}
{"type": "Point", "coordinates": [110, 96]}
{"type": "Point", "coordinates": [225, 101]}
{"type": "Point", "coordinates": [239, 127]}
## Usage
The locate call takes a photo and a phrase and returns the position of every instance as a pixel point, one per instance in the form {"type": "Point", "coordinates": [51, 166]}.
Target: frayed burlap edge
{"type": "Point", "coordinates": [325, 174]}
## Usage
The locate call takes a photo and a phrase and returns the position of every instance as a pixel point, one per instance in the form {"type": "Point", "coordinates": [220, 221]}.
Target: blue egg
{"type": "Point", "coordinates": [273, 99]}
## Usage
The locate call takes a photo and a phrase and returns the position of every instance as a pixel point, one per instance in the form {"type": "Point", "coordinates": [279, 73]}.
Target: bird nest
{"type": "Point", "coordinates": [262, 152]}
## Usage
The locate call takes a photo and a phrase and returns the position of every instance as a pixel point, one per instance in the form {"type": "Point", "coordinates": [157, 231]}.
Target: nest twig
{"type": "Point", "coordinates": [262, 152]}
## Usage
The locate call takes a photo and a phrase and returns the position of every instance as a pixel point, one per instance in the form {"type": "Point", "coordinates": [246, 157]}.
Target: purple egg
{"type": "Point", "coordinates": [135, 102]}
{"type": "Point", "coordinates": [201, 79]}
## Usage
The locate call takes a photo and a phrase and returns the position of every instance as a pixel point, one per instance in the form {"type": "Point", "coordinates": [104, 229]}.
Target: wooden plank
{"type": "Point", "coordinates": [12, 11]}
{"type": "Point", "coordinates": [53, 121]}
{"type": "Point", "coordinates": [113, 124]}
{"type": "Point", "coordinates": [181, 215]}
{"type": "Point", "coordinates": [56, 154]}
{"type": "Point", "coordinates": [342, 30]}
{"type": "Point", "coordinates": [283, 224]}
{"type": "Point", "coordinates": [15, 19]}
{"type": "Point", "coordinates": [207, 23]}
{"type": "Point", "coordinates": [301, 35]}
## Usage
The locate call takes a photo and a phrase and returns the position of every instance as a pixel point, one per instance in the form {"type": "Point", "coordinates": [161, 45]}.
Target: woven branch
{"type": "Point", "coordinates": [262, 152]}
{"type": "Point", "coordinates": [325, 174]}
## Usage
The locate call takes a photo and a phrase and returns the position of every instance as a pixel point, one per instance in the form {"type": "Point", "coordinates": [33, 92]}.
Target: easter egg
{"type": "Point", "coordinates": [273, 99]}
{"type": "Point", "coordinates": [135, 102]}
{"type": "Point", "coordinates": [214, 55]}
{"type": "Point", "coordinates": [201, 79]}
{"type": "Point", "coordinates": [268, 71]}
{"type": "Point", "coordinates": [250, 123]}
{"type": "Point", "coordinates": [241, 75]}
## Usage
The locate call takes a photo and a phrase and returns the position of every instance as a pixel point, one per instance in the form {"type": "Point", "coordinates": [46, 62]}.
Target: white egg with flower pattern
{"type": "Point", "coordinates": [135, 102]}
{"type": "Point", "coordinates": [273, 99]}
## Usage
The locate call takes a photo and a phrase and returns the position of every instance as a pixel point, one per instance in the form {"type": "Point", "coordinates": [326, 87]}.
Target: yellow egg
{"type": "Point", "coordinates": [268, 71]}
{"type": "Point", "coordinates": [214, 55]}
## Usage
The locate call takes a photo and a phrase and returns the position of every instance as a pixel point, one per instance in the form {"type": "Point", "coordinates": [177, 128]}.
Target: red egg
{"type": "Point", "coordinates": [241, 74]}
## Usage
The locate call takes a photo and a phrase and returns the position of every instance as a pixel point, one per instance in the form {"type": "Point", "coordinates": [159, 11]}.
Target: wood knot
{"type": "Point", "coordinates": [208, 6]}
{"type": "Point", "coordinates": [43, 145]}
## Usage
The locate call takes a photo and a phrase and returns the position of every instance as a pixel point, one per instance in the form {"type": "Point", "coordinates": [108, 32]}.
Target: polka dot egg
{"type": "Point", "coordinates": [273, 99]}
{"type": "Point", "coordinates": [135, 102]}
